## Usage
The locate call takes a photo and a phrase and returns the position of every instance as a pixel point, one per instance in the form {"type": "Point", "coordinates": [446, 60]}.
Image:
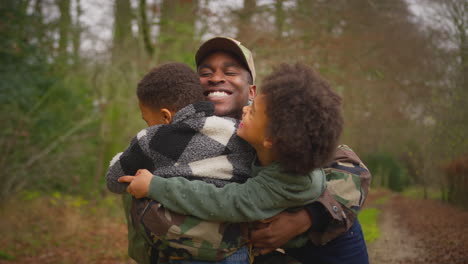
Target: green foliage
{"type": "Point", "coordinates": [44, 107]}
{"type": "Point", "coordinates": [386, 171]}
{"type": "Point", "coordinates": [417, 192]}
{"type": "Point", "coordinates": [6, 256]}
{"type": "Point", "coordinates": [46, 115]}
{"type": "Point", "coordinates": [65, 114]}
{"type": "Point", "coordinates": [368, 218]}
{"type": "Point", "coordinates": [382, 200]}
{"type": "Point", "coordinates": [28, 195]}
{"type": "Point", "coordinates": [176, 39]}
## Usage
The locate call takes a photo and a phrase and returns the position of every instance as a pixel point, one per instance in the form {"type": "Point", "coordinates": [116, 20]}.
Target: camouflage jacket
{"type": "Point", "coordinates": [187, 237]}
{"type": "Point", "coordinates": [266, 194]}
{"type": "Point", "coordinates": [348, 181]}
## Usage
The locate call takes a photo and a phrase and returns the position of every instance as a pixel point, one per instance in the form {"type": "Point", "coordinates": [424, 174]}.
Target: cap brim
{"type": "Point", "coordinates": [220, 44]}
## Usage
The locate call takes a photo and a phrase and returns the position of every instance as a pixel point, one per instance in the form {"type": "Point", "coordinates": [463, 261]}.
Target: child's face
{"type": "Point", "coordinates": [150, 116]}
{"type": "Point", "coordinates": [254, 123]}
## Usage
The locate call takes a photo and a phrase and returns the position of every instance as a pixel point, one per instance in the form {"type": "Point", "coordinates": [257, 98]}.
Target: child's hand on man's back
{"type": "Point", "coordinates": [138, 184]}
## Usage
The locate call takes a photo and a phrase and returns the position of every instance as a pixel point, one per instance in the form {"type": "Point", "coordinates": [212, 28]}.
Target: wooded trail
{"type": "Point", "coordinates": [419, 231]}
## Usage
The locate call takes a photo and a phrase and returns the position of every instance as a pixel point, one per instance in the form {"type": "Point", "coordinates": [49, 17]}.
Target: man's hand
{"type": "Point", "coordinates": [274, 232]}
{"type": "Point", "coordinates": [139, 184]}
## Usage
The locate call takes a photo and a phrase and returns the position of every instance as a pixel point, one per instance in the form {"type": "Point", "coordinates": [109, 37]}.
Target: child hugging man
{"type": "Point", "coordinates": [183, 139]}
{"type": "Point", "coordinates": [294, 125]}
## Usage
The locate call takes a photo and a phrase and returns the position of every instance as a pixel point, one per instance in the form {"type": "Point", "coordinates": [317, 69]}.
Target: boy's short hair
{"type": "Point", "coordinates": [305, 118]}
{"type": "Point", "coordinates": [171, 85]}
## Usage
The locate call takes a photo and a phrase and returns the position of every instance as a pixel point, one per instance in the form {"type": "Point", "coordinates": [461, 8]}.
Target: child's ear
{"type": "Point", "coordinates": [252, 92]}
{"type": "Point", "coordinates": [268, 143]}
{"type": "Point", "coordinates": [166, 115]}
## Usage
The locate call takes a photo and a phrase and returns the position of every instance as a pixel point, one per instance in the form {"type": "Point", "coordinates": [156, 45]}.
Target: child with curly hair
{"type": "Point", "coordinates": [294, 125]}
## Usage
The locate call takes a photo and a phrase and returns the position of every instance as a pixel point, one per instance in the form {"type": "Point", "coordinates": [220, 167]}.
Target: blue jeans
{"type": "Point", "coordinates": [241, 256]}
{"type": "Point", "coordinates": [349, 248]}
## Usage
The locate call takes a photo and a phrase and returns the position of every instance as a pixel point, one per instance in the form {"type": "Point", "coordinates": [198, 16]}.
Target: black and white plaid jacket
{"type": "Point", "coordinates": [197, 145]}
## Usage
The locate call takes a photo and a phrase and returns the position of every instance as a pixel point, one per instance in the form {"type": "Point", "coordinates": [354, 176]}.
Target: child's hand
{"type": "Point", "coordinates": [139, 184]}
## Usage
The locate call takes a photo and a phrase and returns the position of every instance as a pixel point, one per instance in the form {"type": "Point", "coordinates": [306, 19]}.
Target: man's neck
{"type": "Point", "coordinates": [236, 115]}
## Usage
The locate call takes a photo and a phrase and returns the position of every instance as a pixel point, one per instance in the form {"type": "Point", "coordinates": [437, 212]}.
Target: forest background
{"type": "Point", "coordinates": [69, 69]}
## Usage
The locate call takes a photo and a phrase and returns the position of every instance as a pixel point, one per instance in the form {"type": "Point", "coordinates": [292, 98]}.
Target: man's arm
{"type": "Point", "coordinates": [333, 214]}
{"type": "Point", "coordinates": [348, 182]}
{"type": "Point", "coordinates": [260, 197]}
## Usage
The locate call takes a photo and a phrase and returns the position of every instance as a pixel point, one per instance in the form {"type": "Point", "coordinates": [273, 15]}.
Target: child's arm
{"type": "Point", "coordinates": [113, 173]}
{"type": "Point", "coordinates": [127, 163]}
{"type": "Point", "coordinates": [263, 196]}
{"type": "Point", "coordinates": [332, 214]}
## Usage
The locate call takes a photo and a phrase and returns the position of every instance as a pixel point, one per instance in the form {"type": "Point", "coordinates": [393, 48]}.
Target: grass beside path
{"type": "Point", "coordinates": [368, 219]}
{"type": "Point", "coordinates": [417, 192]}
{"type": "Point", "coordinates": [369, 216]}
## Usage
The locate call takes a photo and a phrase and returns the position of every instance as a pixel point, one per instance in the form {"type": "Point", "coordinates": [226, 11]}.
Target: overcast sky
{"type": "Point", "coordinates": [98, 17]}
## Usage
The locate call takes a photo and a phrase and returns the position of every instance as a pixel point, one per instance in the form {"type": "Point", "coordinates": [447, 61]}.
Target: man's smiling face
{"type": "Point", "coordinates": [226, 83]}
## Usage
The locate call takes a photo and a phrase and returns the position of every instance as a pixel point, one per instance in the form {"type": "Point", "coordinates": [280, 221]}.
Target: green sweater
{"type": "Point", "coordinates": [266, 194]}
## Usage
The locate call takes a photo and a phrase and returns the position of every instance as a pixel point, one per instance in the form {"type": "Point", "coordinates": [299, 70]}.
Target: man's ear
{"type": "Point", "coordinates": [268, 143]}
{"type": "Point", "coordinates": [252, 92]}
{"type": "Point", "coordinates": [166, 115]}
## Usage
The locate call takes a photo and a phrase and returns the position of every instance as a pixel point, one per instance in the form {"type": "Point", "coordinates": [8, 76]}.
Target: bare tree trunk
{"type": "Point", "coordinates": [77, 33]}
{"type": "Point", "coordinates": [280, 17]}
{"type": "Point", "coordinates": [144, 28]}
{"type": "Point", "coordinates": [245, 19]}
{"type": "Point", "coordinates": [122, 28]}
{"type": "Point", "coordinates": [305, 14]}
{"type": "Point", "coordinates": [458, 14]}
{"type": "Point", "coordinates": [39, 18]}
{"type": "Point", "coordinates": [64, 30]}
{"type": "Point", "coordinates": [176, 40]}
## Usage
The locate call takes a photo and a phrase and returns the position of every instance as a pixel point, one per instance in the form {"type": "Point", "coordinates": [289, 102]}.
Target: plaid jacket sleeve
{"type": "Point", "coordinates": [348, 181]}
{"type": "Point", "coordinates": [127, 163]}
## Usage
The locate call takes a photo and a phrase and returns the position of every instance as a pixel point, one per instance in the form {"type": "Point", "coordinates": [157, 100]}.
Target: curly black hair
{"type": "Point", "coordinates": [171, 85]}
{"type": "Point", "coordinates": [305, 117]}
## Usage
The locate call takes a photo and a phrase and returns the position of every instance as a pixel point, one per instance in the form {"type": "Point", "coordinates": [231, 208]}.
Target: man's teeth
{"type": "Point", "coordinates": [217, 94]}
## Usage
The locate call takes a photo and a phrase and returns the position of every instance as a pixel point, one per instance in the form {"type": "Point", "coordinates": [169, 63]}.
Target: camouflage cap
{"type": "Point", "coordinates": [229, 45]}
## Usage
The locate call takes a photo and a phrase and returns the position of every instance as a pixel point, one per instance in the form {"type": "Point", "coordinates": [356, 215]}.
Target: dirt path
{"type": "Point", "coordinates": [413, 231]}
{"type": "Point", "coordinates": [395, 245]}
{"type": "Point", "coordinates": [419, 231]}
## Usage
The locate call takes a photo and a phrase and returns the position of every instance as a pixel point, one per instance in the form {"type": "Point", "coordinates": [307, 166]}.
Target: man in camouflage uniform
{"type": "Point", "coordinates": [329, 222]}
